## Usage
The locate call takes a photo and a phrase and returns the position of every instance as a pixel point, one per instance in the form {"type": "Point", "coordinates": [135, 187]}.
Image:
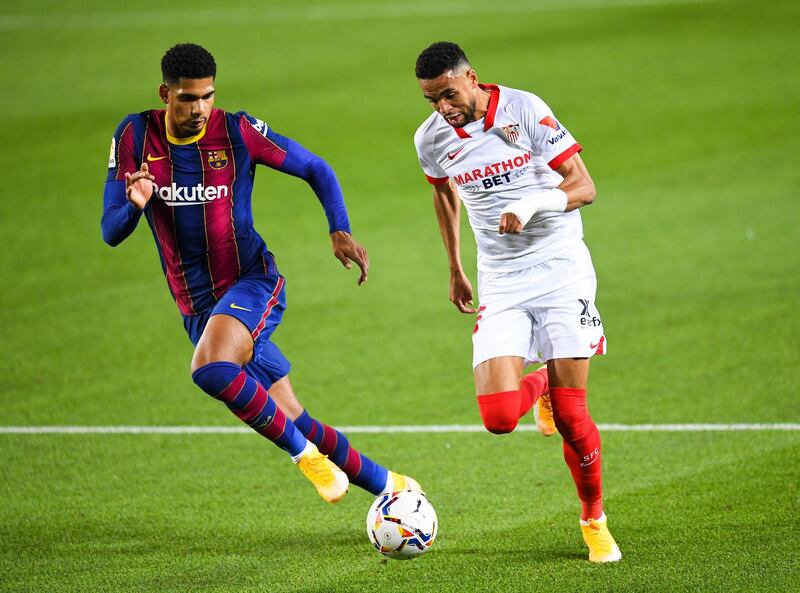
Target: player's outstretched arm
{"type": "Point", "coordinates": [347, 249]}
{"type": "Point", "coordinates": [447, 204]}
{"type": "Point", "coordinates": [284, 154]}
{"type": "Point", "coordinates": [320, 177]}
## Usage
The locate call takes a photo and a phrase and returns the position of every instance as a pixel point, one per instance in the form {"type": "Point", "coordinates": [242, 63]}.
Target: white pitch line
{"type": "Point", "coordinates": [423, 428]}
{"type": "Point", "coordinates": [149, 19]}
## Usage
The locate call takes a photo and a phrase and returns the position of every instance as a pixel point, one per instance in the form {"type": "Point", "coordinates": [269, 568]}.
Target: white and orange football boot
{"type": "Point", "coordinates": [543, 413]}
{"type": "Point", "coordinates": [602, 547]}
{"type": "Point", "coordinates": [331, 482]}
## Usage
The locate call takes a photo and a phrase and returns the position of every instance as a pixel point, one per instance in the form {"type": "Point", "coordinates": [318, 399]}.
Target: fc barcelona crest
{"type": "Point", "coordinates": [217, 159]}
{"type": "Point", "coordinates": [512, 133]}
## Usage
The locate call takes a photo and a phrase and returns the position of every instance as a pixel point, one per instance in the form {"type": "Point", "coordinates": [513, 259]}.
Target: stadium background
{"type": "Point", "coordinates": [687, 111]}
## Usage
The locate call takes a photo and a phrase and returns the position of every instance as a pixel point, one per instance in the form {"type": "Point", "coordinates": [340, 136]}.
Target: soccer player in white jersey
{"type": "Point", "coordinates": [518, 172]}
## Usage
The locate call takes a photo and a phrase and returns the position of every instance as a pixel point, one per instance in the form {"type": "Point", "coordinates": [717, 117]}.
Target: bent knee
{"type": "Point", "coordinates": [214, 378]}
{"type": "Point", "coordinates": [205, 354]}
{"type": "Point", "coordinates": [499, 411]}
{"type": "Point", "coordinates": [500, 425]}
{"type": "Point", "coordinates": [573, 424]}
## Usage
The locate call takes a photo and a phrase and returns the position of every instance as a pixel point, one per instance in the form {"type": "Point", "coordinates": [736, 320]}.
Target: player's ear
{"type": "Point", "coordinates": [163, 92]}
{"type": "Point", "coordinates": [472, 76]}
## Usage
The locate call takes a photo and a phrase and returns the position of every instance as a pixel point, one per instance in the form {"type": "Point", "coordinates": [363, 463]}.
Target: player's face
{"type": "Point", "coordinates": [189, 103]}
{"type": "Point", "coordinates": [453, 95]}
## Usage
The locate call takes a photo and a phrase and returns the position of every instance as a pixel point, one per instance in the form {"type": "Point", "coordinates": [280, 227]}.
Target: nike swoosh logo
{"type": "Point", "coordinates": [594, 346]}
{"type": "Point", "coordinates": [455, 154]}
{"type": "Point", "coordinates": [152, 158]}
{"type": "Point", "coordinates": [235, 306]}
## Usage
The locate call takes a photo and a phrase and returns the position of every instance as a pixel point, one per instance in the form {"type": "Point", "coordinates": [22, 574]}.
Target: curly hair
{"type": "Point", "coordinates": [439, 58]}
{"type": "Point", "coordinates": [187, 60]}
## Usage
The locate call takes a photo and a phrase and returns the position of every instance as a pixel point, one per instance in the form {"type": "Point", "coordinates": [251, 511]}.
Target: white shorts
{"type": "Point", "coordinates": [540, 313]}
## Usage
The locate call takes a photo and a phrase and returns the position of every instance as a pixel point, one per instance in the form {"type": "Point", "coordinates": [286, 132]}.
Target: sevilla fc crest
{"type": "Point", "coordinates": [512, 133]}
{"type": "Point", "coordinates": [217, 159]}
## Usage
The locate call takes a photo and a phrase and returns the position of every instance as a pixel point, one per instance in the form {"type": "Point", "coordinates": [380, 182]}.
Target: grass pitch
{"type": "Point", "coordinates": [688, 115]}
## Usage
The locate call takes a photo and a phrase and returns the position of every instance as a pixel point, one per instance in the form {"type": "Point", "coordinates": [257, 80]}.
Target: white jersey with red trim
{"type": "Point", "coordinates": [497, 160]}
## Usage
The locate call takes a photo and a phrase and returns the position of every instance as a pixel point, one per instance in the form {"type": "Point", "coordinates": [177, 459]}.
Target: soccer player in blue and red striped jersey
{"type": "Point", "coordinates": [189, 168]}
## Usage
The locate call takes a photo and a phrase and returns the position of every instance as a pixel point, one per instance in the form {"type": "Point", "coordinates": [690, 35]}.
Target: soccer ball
{"type": "Point", "coordinates": [402, 525]}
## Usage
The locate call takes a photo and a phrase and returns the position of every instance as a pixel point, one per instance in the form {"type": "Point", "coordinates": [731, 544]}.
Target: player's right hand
{"type": "Point", "coordinates": [509, 223]}
{"type": "Point", "coordinates": [139, 187]}
{"type": "Point", "coordinates": [461, 293]}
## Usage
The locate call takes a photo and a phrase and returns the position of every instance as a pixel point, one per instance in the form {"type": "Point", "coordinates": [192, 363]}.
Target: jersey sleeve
{"type": "Point", "coordinates": [120, 217]}
{"type": "Point", "coordinates": [121, 158]}
{"type": "Point", "coordinates": [548, 137]}
{"type": "Point", "coordinates": [424, 145]}
{"type": "Point", "coordinates": [269, 148]}
{"type": "Point", "coordinates": [262, 143]}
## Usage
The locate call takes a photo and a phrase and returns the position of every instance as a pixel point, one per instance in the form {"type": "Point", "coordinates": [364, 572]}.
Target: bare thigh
{"type": "Point", "coordinates": [225, 339]}
{"type": "Point", "coordinates": [498, 374]}
{"type": "Point", "coordinates": [568, 372]}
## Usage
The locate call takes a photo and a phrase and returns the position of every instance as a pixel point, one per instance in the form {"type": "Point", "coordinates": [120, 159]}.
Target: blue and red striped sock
{"type": "Point", "coordinates": [360, 469]}
{"type": "Point", "coordinates": [247, 398]}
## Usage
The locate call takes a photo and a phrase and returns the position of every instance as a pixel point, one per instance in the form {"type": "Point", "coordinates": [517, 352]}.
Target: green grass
{"type": "Point", "coordinates": [211, 513]}
{"type": "Point", "coordinates": [688, 115]}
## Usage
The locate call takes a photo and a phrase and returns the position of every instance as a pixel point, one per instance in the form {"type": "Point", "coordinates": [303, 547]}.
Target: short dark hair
{"type": "Point", "coordinates": [439, 58]}
{"type": "Point", "coordinates": [187, 60]}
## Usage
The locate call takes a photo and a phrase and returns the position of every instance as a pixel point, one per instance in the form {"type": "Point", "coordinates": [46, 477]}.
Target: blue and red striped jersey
{"type": "Point", "coordinates": [200, 213]}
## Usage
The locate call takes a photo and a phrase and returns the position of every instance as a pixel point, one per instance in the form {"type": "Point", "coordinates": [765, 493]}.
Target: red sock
{"type": "Point", "coordinates": [500, 411]}
{"type": "Point", "coordinates": [581, 447]}
{"type": "Point", "coordinates": [531, 388]}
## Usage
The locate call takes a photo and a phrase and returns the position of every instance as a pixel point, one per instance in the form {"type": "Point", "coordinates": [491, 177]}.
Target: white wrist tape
{"type": "Point", "coordinates": [548, 200]}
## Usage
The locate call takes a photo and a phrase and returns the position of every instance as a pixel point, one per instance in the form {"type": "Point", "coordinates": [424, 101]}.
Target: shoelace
{"type": "Point", "coordinates": [319, 469]}
{"type": "Point", "coordinates": [605, 545]}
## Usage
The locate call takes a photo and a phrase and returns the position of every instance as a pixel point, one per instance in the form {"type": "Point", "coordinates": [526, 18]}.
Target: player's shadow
{"type": "Point", "coordinates": [555, 554]}
{"type": "Point", "coordinates": [539, 542]}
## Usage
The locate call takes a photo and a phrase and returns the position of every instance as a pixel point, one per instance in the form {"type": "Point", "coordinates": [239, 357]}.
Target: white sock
{"type": "Point", "coordinates": [600, 519]}
{"type": "Point", "coordinates": [389, 485]}
{"type": "Point", "coordinates": [307, 449]}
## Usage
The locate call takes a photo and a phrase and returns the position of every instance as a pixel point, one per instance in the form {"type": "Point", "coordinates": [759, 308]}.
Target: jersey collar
{"type": "Point", "coordinates": [491, 110]}
{"type": "Point", "coordinates": [183, 141]}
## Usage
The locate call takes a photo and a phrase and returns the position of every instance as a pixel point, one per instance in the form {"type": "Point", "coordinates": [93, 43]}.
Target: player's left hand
{"type": "Point", "coordinates": [509, 223]}
{"type": "Point", "coordinates": [345, 249]}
